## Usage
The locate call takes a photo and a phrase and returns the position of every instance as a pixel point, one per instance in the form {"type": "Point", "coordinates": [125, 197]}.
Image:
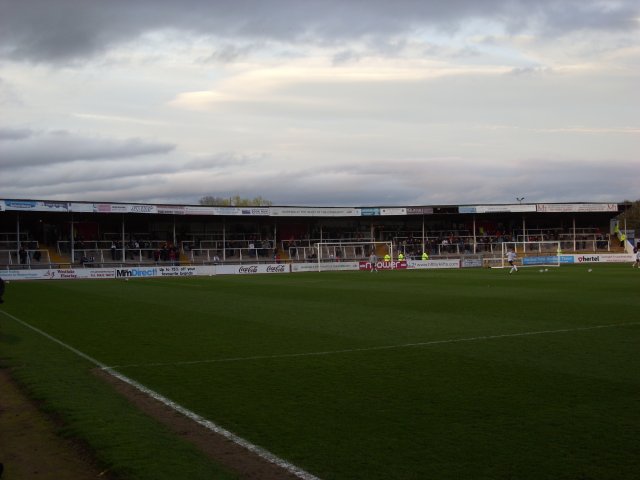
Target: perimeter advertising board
{"type": "Point", "coordinates": [59, 274]}
{"type": "Point", "coordinates": [252, 269]}
{"type": "Point", "coordinates": [433, 264]}
{"type": "Point", "coordinates": [380, 265]}
{"type": "Point", "coordinates": [324, 267]}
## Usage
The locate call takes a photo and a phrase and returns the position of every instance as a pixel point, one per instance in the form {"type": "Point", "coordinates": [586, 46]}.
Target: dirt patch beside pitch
{"type": "Point", "coordinates": [223, 451]}
{"type": "Point", "coordinates": [30, 446]}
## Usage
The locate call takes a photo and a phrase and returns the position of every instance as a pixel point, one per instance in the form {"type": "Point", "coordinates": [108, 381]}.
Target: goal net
{"type": "Point", "coordinates": [332, 252]}
{"type": "Point", "coordinates": [532, 254]}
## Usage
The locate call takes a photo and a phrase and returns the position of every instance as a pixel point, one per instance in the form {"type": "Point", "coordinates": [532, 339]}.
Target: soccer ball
{"type": "Point", "coordinates": [546, 269]}
{"type": "Point", "coordinates": [590, 270]}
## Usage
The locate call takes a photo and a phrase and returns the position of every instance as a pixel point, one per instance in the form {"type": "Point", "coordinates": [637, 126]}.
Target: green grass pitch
{"type": "Point", "coordinates": [452, 374]}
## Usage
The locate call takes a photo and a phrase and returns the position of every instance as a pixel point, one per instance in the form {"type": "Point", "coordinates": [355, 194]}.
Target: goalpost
{"type": "Point", "coordinates": [331, 252]}
{"type": "Point", "coordinates": [544, 253]}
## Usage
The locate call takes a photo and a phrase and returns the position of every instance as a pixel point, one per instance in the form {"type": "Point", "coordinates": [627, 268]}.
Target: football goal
{"type": "Point", "coordinates": [332, 252]}
{"type": "Point", "coordinates": [531, 254]}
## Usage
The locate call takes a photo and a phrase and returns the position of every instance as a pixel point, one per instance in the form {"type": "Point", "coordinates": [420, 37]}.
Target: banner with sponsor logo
{"type": "Point", "coordinates": [433, 264]}
{"type": "Point", "coordinates": [186, 271]}
{"type": "Point", "coordinates": [471, 263]}
{"type": "Point", "coordinates": [585, 258]}
{"type": "Point", "coordinates": [171, 210]}
{"type": "Point", "coordinates": [58, 274]}
{"type": "Point", "coordinates": [393, 211]}
{"type": "Point", "coordinates": [604, 258]}
{"type": "Point", "coordinates": [576, 207]}
{"type": "Point", "coordinates": [314, 212]}
{"type": "Point", "coordinates": [137, 272]}
{"type": "Point", "coordinates": [81, 207]}
{"type": "Point", "coordinates": [381, 265]}
{"type": "Point", "coordinates": [252, 269]}
{"type": "Point", "coordinates": [123, 208]}
{"type": "Point", "coordinates": [419, 210]}
{"type": "Point", "coordinates": [36, 206]}
{"type": "Point", "coordinates": [496, 208]}
{"type": "Point", "coordinates": [324, 267]}
{"type": "Point", "coordinates": [369, 212]}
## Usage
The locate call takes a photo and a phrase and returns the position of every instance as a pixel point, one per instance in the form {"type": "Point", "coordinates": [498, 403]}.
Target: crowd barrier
{"type": "Point", "coordinates": [273, 268]}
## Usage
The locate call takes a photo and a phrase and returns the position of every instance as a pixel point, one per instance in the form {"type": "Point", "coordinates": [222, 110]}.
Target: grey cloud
{"type": "Point", "coordinates": [415, 182]}
{"type": "Point", "coordinates": [221, 160]}
{"type": "Point", "coordinates": [14, 133]}
{"type": "Point", "coordinates": [230, 53]}
{"type": "Point", "coordinates": [52, 31]}
{"type": "Point", "coordinates": [49, 176]}
{"type": "Point", "coordinates": [8, 94]}
{"type": "Point", "coordinates": [531, 70]}
{"type": "Point", "coordinates": [63, 147]}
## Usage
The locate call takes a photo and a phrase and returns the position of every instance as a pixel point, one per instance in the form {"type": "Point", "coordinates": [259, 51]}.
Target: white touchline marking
{"type": "Point", "coordinates": [372, 349]}
{"type": "Point", "coordinates": [261, 452]}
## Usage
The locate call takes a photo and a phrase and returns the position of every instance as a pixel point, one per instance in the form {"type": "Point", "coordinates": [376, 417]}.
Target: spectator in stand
{"type": "Point", "coordinates": [113, 250]}
{"type": "Point", "coordinates": [22, 253]}
{"type": "Point", "coordinates": [172, 255]}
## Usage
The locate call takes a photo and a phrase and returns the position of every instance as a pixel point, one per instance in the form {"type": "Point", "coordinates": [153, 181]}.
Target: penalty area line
{"type": "Point", "coordinates": [373, 349]}
{"type": "Point", "coordinates": [208, 424]}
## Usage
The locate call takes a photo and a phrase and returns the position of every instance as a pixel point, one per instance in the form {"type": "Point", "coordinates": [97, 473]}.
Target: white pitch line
{"type": "Point", "coordinates": [261, 452]}
{"type": "Point", "coordinates": [373, 349]}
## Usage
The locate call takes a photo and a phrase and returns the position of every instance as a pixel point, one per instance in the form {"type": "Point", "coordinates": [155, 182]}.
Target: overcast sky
{"type": "Point", "coordinates": [320, 103]}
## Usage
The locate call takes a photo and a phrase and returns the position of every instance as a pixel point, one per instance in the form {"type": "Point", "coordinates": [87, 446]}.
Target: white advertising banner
{"type": "Point", "coordinates": [325, 267]}
{"type": "Point", "coordinates": [577, 207]}
{"type": "Point", "coordinates": [393, 211]}
{"type": "Point", "coordinates": [186, 271]}
{"type": "Point", "coordinates": [496, 208]}
{"type": "Point", "coordinates": [123, 208]}
{"type": "Point", "coordinates": [433, 264]}
{"type": "Point", "coordinates": [251, 269]}
{"type": "Point", "coordinates": [603, 258]}
{"type": "Point", "coordinates": [81, 207]}
{"type": "Point", "coordinates": [314, 212]}
{"type": "Point", "coordinates": [36, 206]}
{"type": "Point", "coordinates": [58, 274]}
